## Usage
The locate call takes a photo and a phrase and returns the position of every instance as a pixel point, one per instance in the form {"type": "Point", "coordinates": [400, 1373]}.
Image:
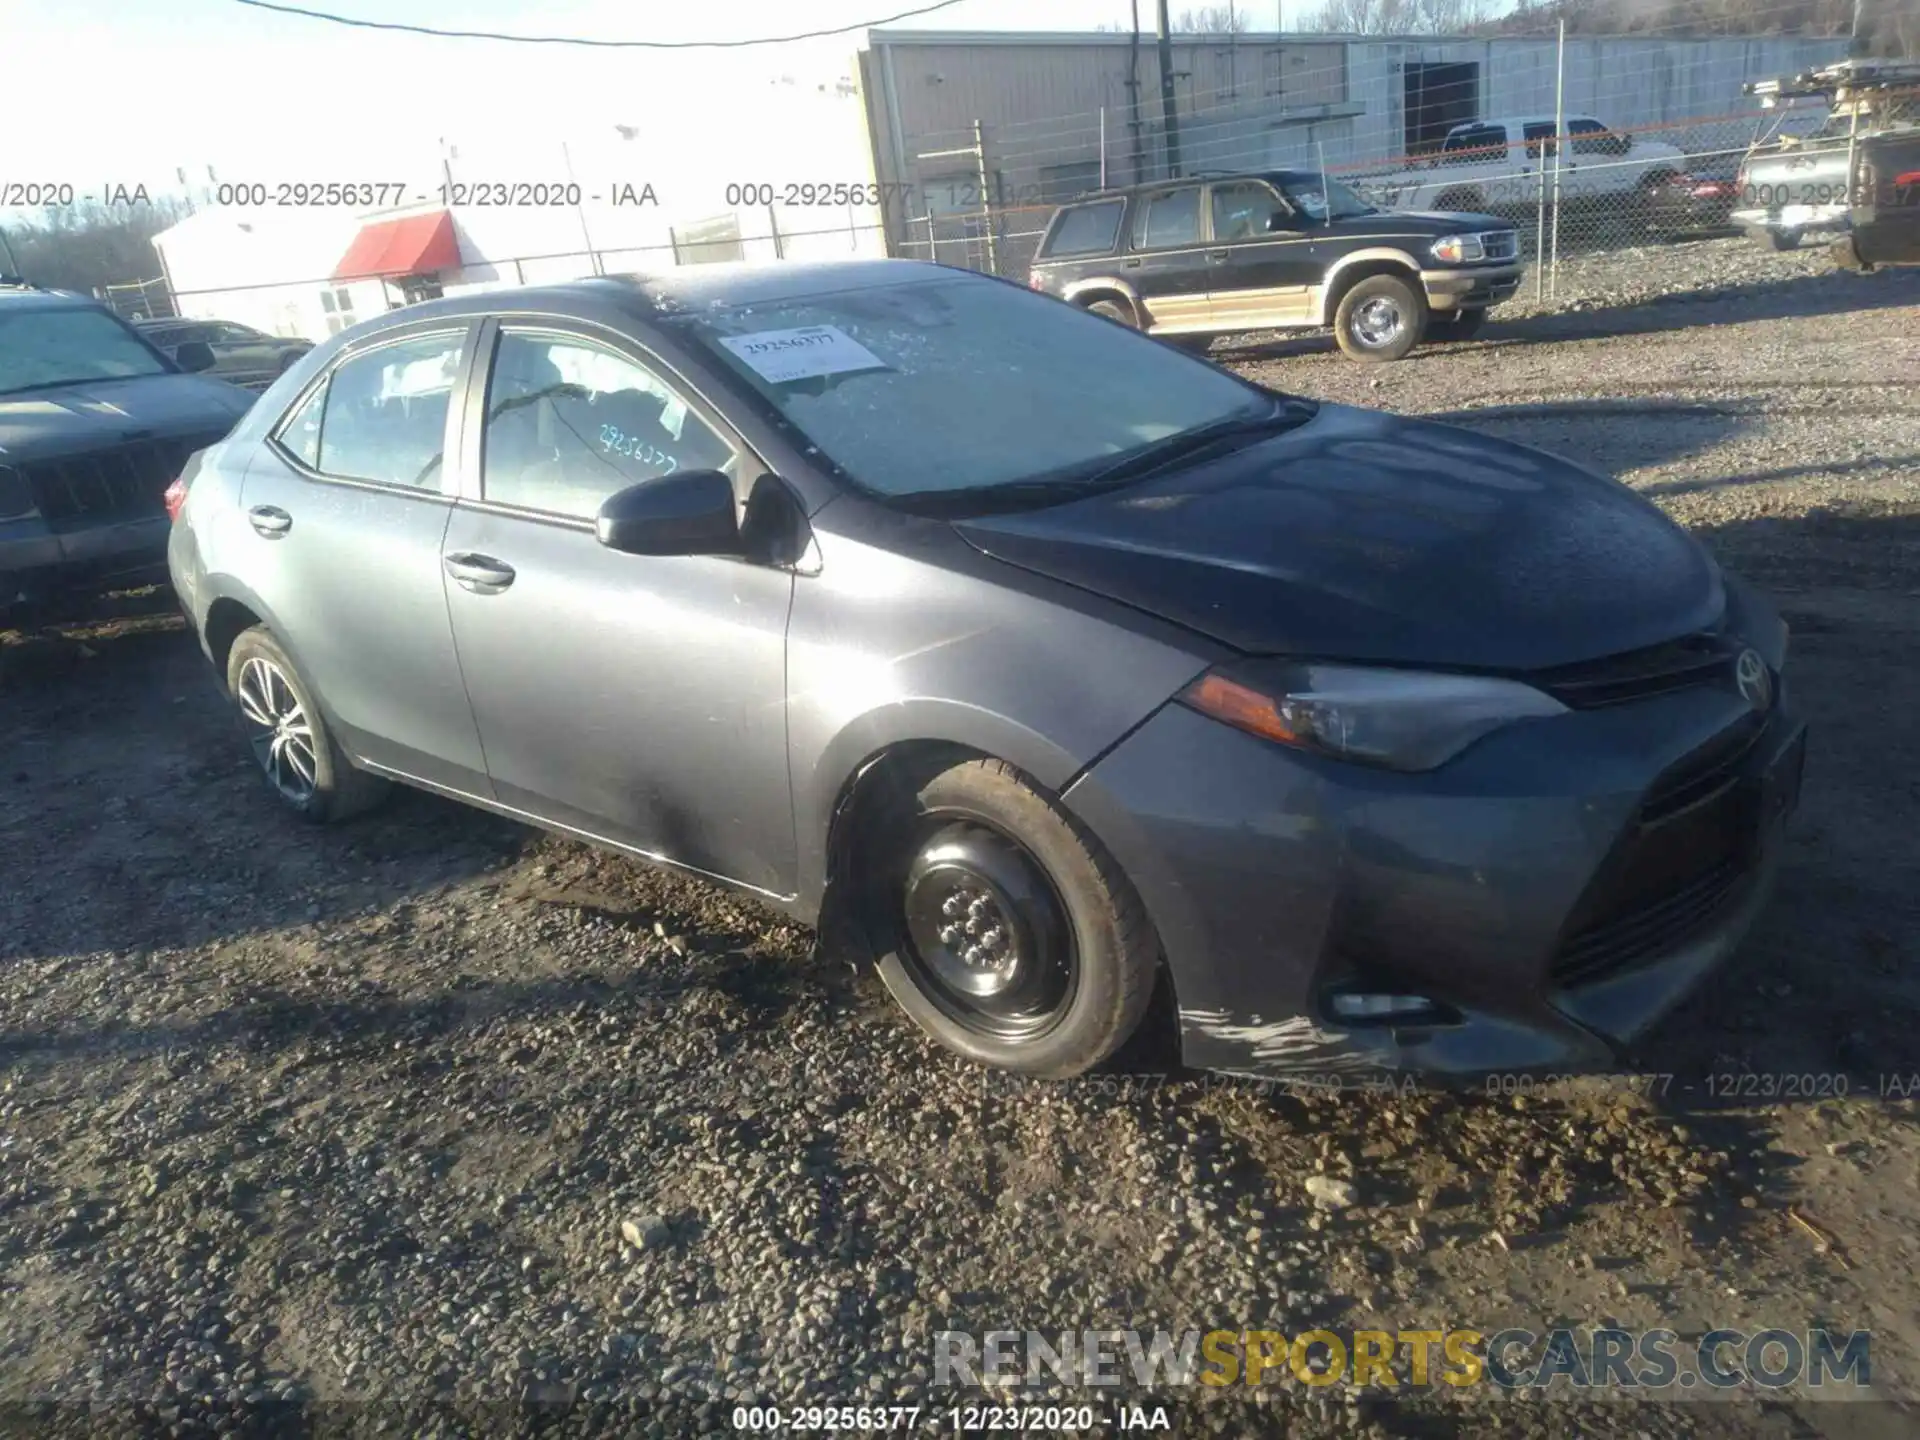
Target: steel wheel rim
{"type": "Point", "coordinates": [1377, 321]}
{"type": "Point", "coordinates": [278, 729]}
{"type": "Point", "coordinates": [985, 932]}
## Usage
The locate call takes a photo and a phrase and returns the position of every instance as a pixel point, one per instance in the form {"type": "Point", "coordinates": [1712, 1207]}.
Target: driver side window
{"type": "Point", "coordinates": [1247, 210]}
{"type": "Point", "coordinates": [569, 424]}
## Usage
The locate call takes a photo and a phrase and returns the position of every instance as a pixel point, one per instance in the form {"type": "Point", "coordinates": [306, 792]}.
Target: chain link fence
{"type": "Point", "coordinates": [1571, 192]}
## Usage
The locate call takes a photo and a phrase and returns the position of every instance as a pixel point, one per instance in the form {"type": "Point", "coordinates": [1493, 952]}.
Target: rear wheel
{"type": "Point", "coordinates": [1004, 930]}
{"type": "Point", "coordinates": [1381, 318]}
{"type": "Point", "coordinates": [1448, 325]}
{"type": "Point", "coordinates": [1772, 238]}
{"type": "Point", "coordinates": [1115, 310]}
{"type": "Point", "coordinates": [302, 763]}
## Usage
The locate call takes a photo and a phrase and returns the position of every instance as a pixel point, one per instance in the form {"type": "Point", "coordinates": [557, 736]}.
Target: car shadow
{"type": "Point", "coordinates": [1836, 292]}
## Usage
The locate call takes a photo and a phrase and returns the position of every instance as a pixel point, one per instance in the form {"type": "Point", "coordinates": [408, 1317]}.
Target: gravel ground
{"type": "Point", "coordinates": [436, 1123]}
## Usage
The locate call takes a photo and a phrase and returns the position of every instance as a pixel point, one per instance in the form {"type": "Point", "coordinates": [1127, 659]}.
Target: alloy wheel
{"type": "Point", "coordinates": [278, 729]}
{"type": "Point", "coordinates": [987, 934]}
{"type": "Point", "coordinates": [1377, 322]}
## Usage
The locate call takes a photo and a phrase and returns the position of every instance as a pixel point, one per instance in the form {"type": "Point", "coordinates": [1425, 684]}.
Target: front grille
{"type": "Point", "coordinates": [125, 483]}
{"type": "Point", "coordinates": [1707, 773]}
{"type": "Point", "coordinates": [1693, 840]}
{"type": "Point", "coordinates": [1500, 245]}
{"type": "Point", "coordinates": [1702, 659]}
{"type": "Point", "coordinates": [1651, 930]}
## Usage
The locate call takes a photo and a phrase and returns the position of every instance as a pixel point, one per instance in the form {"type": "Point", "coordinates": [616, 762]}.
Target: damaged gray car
{"type": "Point", "coordinates": [1049, 667]}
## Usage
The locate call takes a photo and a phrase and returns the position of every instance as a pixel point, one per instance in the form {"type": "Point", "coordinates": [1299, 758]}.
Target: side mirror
{"type": "Point", "coordinates": [193, 356]}
{"type": "Point", "coordinates": [690, 512]}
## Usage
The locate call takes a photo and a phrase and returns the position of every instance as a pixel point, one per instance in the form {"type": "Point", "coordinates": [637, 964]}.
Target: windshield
{"type": "Point", "coordinates": [960, 384]}
{"type": "Point", "coordinates": [1310, 197]}
{"type": "Point", "coordinates": [41, 348]}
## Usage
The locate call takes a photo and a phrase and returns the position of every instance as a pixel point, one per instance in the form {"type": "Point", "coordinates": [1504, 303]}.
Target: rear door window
{"type": "Point", "coordinates": [1087, 229]}
{"type": "Point", "coordinates": [385, 415]}
{"type": "Point", "coordinates": [1168, 220]}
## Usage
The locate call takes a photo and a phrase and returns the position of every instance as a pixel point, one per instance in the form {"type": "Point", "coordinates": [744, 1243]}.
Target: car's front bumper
{"type": "Point", "coordinates": [39, 561]}
{"type": "Point", "coordinates": [1470, 289]}
{"type": "Point", "coordinates": [1497, 885]}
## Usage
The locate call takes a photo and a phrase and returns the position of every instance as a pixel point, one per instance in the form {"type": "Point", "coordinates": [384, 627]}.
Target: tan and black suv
{"type": "Point", "coordinates": [1211, 255]}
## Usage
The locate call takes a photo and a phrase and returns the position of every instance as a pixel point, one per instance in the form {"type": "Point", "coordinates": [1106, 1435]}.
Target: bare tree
{"type": "Point", "coordinates": [1398, 17]}
{"type": "Point", "coordinates": [1212, 20]}
{"type": "Point", "coordinates": [77, 247]}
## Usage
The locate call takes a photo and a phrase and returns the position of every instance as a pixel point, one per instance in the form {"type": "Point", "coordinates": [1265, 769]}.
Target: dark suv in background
{"type": "Point", "coordinates": [1191, 259]}
{"type": "Point", "coordinates": [241, 354]}
{"type": "Point", "coordinates": [95, 424]}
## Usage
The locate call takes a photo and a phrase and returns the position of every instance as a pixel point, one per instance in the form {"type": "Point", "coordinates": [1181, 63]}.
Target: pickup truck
{"type": "Point", "coordinates": [1793, 186]}
{"type": "Point", "coordinates": [1496, 166]}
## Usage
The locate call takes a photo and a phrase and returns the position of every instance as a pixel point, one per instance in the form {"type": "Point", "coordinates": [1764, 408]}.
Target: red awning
{"type": "Point", "coordinates": [391, 249]}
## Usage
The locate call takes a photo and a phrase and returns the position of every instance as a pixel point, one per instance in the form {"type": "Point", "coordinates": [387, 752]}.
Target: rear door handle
{"type": "Point", "coordinates": [481, 574]}
{"type": "Point", "coordinates": [1129, 264]}
{"type": "Point", "coordinates": [1217, 254]}
{"type": "Point", "coordinates": [270, 520]}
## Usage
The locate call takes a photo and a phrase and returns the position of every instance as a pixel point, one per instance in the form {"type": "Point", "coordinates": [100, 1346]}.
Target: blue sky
{"type": "Point", "coordinates": [126, 91]}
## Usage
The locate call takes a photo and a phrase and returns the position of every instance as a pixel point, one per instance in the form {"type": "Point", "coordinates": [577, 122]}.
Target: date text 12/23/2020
{"type": "Point", "coordinates": [953, 1419]}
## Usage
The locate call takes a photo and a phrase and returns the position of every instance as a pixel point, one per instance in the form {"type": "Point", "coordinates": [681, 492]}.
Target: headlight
{"type": "Point", "coordinates": [1460, 249]}
{"type": "Point", "coordinates": [1400, 719]}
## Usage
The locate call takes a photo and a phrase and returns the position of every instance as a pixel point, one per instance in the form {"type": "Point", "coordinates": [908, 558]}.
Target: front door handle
{"type": "Point", "coordinates": [481, 574]}
{"type": "Point", "coordinates": [1217, 254]}
{"type": "Point", "coordinates": [270, 521]}
{"type": "Point", "coordinates": [1129, 264]}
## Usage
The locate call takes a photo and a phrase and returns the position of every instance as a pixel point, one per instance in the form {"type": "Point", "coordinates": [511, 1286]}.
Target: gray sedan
{"type": "Point", "coordinates": [1046, 667]}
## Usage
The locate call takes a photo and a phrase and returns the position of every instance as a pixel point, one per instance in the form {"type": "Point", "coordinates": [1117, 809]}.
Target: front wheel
{"type": "Point", "coordinates": [1381, 318]}
{"type": "Point", "coordinates": [302, 762]}
{"type": "Point", "coordinates": [1004, 930]}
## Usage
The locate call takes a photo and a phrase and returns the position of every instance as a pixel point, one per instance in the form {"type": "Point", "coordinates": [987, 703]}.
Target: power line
{"type": "Point", "coordinates": [584, 41]}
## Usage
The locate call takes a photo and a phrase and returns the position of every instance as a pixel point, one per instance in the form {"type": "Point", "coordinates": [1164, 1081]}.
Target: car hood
{"type": "Point", "coordinates": [45, 424]}
{"type": "Point", "coordinates": [1364, 536]}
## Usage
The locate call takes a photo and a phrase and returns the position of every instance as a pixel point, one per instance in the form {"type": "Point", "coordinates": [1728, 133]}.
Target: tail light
{"type": "Point", "coordinates": [1033, 280]}
{"type": "Point", "coordinates": [174, 497]}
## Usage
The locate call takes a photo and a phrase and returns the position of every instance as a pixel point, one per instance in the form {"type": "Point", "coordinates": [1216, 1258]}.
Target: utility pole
{"type": "Point", "coordinates": [1167, 109]}
{"type": "Point", "coordinates": [1133, 97]}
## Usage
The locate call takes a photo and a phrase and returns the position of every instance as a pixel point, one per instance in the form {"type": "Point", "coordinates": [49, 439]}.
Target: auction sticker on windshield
{"type": "Point", "coordinates": [782, 355]}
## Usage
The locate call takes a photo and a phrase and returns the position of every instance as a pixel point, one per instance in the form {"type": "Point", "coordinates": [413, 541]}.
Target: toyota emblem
{"type": "Point", "coordinates": [1750, 675]}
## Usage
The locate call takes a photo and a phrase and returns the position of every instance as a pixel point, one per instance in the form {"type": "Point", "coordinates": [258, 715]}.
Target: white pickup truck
{"type": "Point", "coordinates": [1496, 166]}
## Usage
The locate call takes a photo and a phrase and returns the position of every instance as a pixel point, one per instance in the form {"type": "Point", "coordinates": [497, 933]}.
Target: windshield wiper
{"type": "Point", "coordinates": [1186, 444]}
{"type": "Point", "coordinates": [1075, 484]}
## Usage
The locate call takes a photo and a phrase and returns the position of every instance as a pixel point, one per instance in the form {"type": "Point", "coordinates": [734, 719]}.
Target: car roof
{"type": "Point", "coordinates": [671, 292]}
{"type": "Point", "coordinates": [1500, 120]}
{"type": "Point", "coordinates": [1206, 177]}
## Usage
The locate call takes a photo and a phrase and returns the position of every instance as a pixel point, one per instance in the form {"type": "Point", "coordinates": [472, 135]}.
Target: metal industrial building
{"type": "Point", "coordinates": [1045, 116]}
